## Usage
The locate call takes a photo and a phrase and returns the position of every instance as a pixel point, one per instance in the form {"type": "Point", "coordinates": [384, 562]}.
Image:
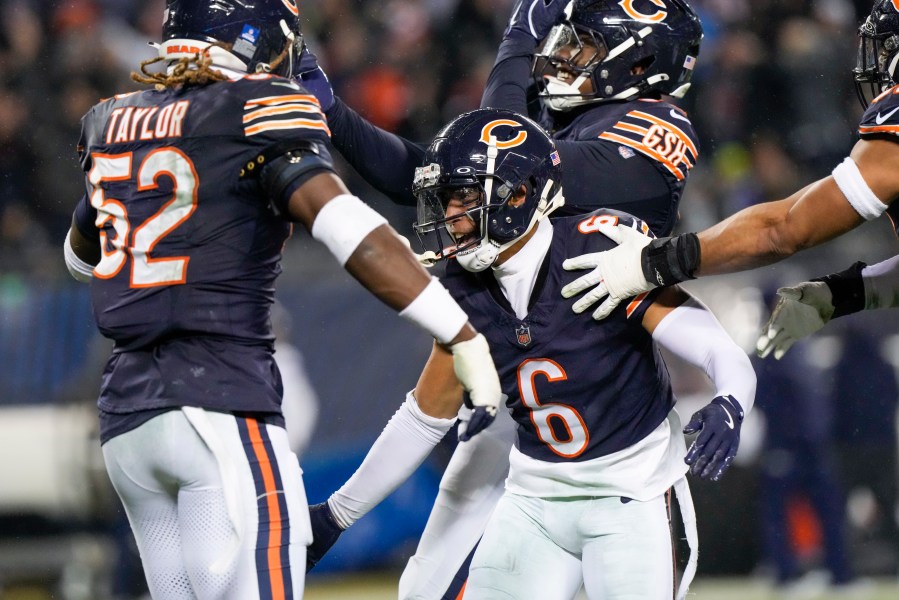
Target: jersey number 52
{"type": "Point", "coordinates": [139, 243]}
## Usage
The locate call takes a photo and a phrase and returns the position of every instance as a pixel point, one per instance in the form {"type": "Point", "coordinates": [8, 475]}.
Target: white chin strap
{"type": "Point", "coordinates": [563, 96]}
{"type": "Point", "coordinates": [479, 258]}
{"type": "Point", "coordinates": [485, 254]}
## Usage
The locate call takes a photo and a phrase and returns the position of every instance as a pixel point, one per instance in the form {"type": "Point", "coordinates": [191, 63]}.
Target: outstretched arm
{"type": "Point", "coordinates": [683, 326]}
{"type": "Point", "coordinates": [805, 308]}
{"type": "Point", "coordinates": [410, 435]}
{"type": "Point", "coordinates": [385, 160]}
{"type": "Point", "coordinates": [861, 188]}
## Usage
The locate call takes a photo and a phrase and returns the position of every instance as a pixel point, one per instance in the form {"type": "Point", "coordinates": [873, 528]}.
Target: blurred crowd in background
{"type": "Point", "coordinates": [774, 105]}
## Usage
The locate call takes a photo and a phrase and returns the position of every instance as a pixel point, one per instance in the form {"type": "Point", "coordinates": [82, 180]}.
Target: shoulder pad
{"type": "Point", "coordinates": [659, 131]}
{"type": "Point", "coordinates": [882, 116]}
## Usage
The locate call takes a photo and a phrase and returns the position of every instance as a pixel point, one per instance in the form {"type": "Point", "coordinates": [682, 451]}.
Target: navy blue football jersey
{"type": "Point", "coordinates": [630, 156]}
{"type": "Point", "coordinates": [191, 245]}
{"type": "Point", "coordinates": [882, 119]}
{"type": "Point", "coordinates": [578, 388]}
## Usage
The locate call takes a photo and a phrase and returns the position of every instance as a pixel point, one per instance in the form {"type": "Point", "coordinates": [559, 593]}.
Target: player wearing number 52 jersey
{"type": "Point", "coordinates": [598, 444]}
{"type": "Point", "coordinates": [191, 189]}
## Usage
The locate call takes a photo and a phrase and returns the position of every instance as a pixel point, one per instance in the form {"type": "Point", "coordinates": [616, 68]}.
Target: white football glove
{"type": "Point", "coordinates": [800, 311]}
{"type": "Point", "coordinates": [474, 369]}
{"type": "Point", "coordinates": [617, 273]}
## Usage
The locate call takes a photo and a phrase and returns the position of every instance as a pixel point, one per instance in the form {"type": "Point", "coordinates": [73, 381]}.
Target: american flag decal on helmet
{"type": "Point", "coordinates": [554, 156]}
{"type": "Point", "coordinates": [690, 62]}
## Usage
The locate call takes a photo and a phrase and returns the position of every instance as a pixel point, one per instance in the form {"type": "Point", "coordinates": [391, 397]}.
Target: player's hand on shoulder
{"type": "Point", "coordinates": [801, 310]}
{"type": "Point", "coordinates": [475, 370]}
{"type": "Point", "coordinates": [537, 17]}
{"type": "Point", "coordinates": [325, 531]}
{"type": "Point", "coordinates": [312, 77]}
{"type": "Point", "coordinates": [718, 424]}
{"type": "Point", "coordinates": [615, 275]}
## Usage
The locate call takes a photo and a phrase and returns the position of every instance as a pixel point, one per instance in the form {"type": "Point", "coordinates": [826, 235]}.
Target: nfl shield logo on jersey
{"type": "Point", "coordinates": [523, 334]}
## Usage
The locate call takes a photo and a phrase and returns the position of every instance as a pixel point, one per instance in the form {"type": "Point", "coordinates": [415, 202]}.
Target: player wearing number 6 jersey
{"type": "Point", "coordinates": [191, 191]}
{"type": "Point", "coordinates": [598, 445]}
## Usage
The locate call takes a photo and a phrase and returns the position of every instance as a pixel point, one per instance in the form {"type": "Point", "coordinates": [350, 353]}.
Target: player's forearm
{"type": "Point", "coordinates": [693, 333]}
{"type": "Point", "coordinates": [508, 80]}
{"type": "Point", "coordinates": [405, 442]}
{"type": "Point", "coordinates": [385, 160]}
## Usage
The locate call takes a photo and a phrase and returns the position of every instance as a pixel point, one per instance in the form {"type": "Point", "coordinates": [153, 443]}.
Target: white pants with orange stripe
{"type": "Point", "coordinates": [545, 548]}
{"type": "Point", "coordinates": [217, 506]}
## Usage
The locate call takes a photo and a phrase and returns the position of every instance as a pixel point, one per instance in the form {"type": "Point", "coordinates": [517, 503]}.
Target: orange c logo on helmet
{"type": "Point", "coordinates": [291, 6]}
{"type": "Point", "coordinates": [896, 5]}
{"type": "Point", "coordinates": [659, 15]}
{"type": "Point", "coordinates": [515, 141]}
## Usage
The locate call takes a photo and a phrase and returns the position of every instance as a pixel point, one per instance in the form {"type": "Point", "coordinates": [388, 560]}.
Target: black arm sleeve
{"type": "Point", "coordinates": [507, 84]}
{"type": "Point", "coordinates": [596, 175]}
{"type": "Point", "coordinates": [84, 218]}
{"type": "Point", "coordinates": [385, 160]}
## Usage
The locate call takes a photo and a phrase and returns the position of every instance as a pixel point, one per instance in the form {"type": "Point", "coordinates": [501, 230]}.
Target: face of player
{"type": "Point", "coordinates": [574, 58]}
{"type": "Point", "coordinates": [460, 223]}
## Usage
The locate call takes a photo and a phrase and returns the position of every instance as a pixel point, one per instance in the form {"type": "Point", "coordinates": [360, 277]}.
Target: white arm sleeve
{"type": "Point", "coordinates": [882, 284]}
{"type": "Point", "coordinates": [693, 333]}
{"type": "Point", "coordinates": [850, 181]}
{"type": "Point", "coordinates": [343, 223]}
{"type": "Point", "coordinates": [78, 269]}
{"type": "Point", "coordinates": [406, 441]}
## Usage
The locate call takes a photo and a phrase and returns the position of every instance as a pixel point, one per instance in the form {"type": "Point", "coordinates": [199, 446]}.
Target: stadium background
{"type": "Point", "coordinates": [773, 103]}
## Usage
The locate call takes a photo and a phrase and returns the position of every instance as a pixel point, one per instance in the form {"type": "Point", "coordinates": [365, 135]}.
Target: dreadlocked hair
{"type": "Point", "coordinates": [195, 70]}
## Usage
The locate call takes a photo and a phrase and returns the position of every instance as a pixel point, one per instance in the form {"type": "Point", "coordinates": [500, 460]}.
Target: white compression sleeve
{"type": "Point", "coordinates": [882, 284]}
{"type": "Point", "coordinates": [850, 181]}
{"type": "Point", "coordinates": [78, 269]}
{"type": "Point", "coordinates": [406, 441]}
{"type": "Point", "coordinates": [435, 311]}
{"type": "Point", "coordinates": [693, 333]}
{"type": "Point", "coordinates": [343, 223]}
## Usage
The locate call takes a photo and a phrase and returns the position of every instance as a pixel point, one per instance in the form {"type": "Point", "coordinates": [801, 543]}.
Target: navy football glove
{"type": "Point", "coordinates": [311, 76]}
{"type": "Point", "coordinates": [536, 17]}
{"type": "Point", "coordinates": [325, 532]}
{"type": "Point", "coordinates": [718, 424]}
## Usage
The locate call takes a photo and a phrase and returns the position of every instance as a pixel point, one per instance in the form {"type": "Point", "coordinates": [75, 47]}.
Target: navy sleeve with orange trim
{"type": "Point", "coordinates": [882, 116]}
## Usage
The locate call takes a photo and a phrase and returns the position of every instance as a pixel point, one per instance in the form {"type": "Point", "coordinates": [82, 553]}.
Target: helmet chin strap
{"type": "Point", "coordinates": [487, 252]}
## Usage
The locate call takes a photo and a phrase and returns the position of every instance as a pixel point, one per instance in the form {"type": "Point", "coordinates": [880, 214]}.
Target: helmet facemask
{"type": "Point", "coordinates": [878, 57]}
{"type": "Point", "coordinates": [564, 67]}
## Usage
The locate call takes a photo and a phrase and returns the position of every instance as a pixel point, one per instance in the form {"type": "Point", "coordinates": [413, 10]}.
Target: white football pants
{"type": "Point", "coordinates": [544, 548]}
{"type": "Point", "coordinates": [217, 506]}
{"type": "Point", "coordinates": [471, 486]}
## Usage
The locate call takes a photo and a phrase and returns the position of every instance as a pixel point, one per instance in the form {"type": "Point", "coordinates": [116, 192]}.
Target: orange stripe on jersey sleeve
{"type": "Point", "coordinates": [667, 125]}
{"type": "Point", "coordinates": [287, 124]}
{"type": "Point", "coordinates": [879, 129]}
{"type": "Point", "coordinates": [630, 127]}
{"type": "Point", "coordinates": [620, 139]}
{"type": "Point", "coordinates": [273, 551]}
{"type": "Point", "coordinates": [635, 303]}
{"type": "Point", "coordinates": [272, 100]}
{"type": "Point", "coordinates": [300, 107]}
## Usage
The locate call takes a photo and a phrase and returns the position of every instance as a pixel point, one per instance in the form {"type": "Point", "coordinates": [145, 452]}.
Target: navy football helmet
{"type": "Point", "coordinates": [625, 48]}
{"type": "Point", "coordinates": [878, 51]}
{"type": "Point", "coordinates": [262, 35]}
{"type": "Point", "coordinates": [504, 172]}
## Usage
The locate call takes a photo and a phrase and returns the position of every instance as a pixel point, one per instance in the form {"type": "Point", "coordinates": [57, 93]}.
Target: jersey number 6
{"type": "Point", "coordinates": [543, 415]}
{"type": "Point", "coordinates": [145, 271]}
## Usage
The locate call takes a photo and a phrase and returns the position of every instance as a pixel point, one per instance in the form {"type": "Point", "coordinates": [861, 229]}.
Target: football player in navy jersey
{"type": "Point", "coordinates": [598, 445]}
{"type": "Point", "coordinates": [861, 188]}
{"type": "Point", "coordinates": [614, 132]}
{"type": "Point", "coordinates": [191, 189]}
